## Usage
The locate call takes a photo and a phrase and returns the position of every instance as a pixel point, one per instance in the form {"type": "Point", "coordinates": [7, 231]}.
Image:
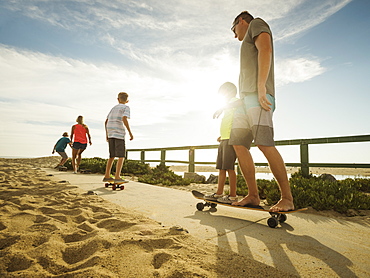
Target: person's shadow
{"type": "Point", "coordinates": [276, 242]}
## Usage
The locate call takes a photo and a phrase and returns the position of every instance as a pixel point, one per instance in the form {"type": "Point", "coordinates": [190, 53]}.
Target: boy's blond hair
{"type": "Point", "coordinates": [228, 89]}
{"type": "Point", "coordinates": [122, 96]}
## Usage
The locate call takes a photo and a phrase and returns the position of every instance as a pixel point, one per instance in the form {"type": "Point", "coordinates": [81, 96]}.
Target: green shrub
{"type": "Point", "coordinates": [135, 167]}
{"type": "Point", "coordinates": [317, 193]}
{"type": "Point", "coordinates": [97, 165]}
{"type": "Point", "coordinates": [162, 175]}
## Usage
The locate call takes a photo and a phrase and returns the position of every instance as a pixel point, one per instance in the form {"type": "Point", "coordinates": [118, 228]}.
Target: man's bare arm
{"type": "Point", "coordinates": [264, 47]}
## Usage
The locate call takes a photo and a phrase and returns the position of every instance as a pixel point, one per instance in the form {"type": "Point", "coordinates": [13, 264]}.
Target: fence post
{"type": "Point", "coordinates": [163, 157]}
{"type": "Point", "coordinates": [142, 156]}
{"type": "Point", "coordinates": [191, 168]}
{"type": "Point", "coordinates": [304, 159]}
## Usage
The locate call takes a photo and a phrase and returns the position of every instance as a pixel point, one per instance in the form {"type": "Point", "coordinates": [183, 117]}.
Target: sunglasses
{"type": "Point", "coordinates": [234, 26]}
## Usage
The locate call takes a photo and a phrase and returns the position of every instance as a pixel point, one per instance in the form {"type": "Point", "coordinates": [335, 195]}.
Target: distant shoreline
{"type": "Point", "coordinates": [364, 172]}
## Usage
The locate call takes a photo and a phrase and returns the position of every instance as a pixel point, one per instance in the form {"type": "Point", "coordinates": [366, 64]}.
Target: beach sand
{"type": "Point", "coordinates": [52, 228]}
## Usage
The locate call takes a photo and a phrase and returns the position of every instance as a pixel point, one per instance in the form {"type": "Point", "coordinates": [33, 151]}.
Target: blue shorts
{"type": "Point", "coordinates": [252, 123]}
{"type": "Point", "coordinates": [79, 146]}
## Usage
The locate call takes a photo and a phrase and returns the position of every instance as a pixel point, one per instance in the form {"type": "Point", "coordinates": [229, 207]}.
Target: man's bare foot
{"type": "Point", "coordinates": [283, 205]}
{"type": "Point", "coordinates": [248, 201]}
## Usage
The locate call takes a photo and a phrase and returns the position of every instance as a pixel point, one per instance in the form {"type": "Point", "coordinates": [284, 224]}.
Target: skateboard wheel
{"type": "Point", "coordinates": [107, 184]}
{"type": "Point", "coordinates": [200, 206]}
{"type": "Point", "coordinates": [282, 218]}
{"type": "Point", "coordinates": [272, 222]}
{"type": "Point", "coordinates": [122, 187]}
{"type": "Point", "coordinates": [213, 205]}
{"type": "Point", "coordinates": [113, 187]}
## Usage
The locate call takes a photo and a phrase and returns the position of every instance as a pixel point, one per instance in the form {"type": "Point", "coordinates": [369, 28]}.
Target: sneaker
{"type": "Point", "coordinates": [212, 197]}
{"type": "Point", "coordinates": [227, 199]}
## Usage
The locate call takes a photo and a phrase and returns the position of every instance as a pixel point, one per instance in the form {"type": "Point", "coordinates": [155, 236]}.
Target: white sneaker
{"type": "Point", "coordinates": [212, 197]}
{"type": "Point", "coordinates": [227, 199]}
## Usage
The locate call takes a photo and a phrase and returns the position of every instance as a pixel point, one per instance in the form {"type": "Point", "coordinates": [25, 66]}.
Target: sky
{"type": "Point", "coordinates": [61, 59]}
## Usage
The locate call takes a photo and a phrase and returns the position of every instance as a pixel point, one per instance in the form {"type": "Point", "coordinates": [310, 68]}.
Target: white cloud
{"type": "Point", "coordinates": [304, 16]}
{"type": "Point", "coordinates": [296, 70]}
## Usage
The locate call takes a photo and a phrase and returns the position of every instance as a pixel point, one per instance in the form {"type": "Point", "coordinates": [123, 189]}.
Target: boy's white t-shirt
{"type": "Point", "coordinates": [115, 127]}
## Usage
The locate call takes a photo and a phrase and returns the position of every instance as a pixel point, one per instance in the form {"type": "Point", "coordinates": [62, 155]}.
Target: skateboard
{"type": "Point", "coordinates": [116, 185]}
{"type": "Point", "coordinates": [272, 222]}
{"type": "Point", "coordinates": [85, 171]}
{"type": "Point", "coordinates": [62, 168]}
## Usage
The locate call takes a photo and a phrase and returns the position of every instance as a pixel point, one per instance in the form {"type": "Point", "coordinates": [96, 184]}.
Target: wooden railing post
{"type": "Point", "coordinates": [163, 157]}
{"type": "Point", "coordinates": [304, 159]}
{"type": "Point", "coordinates": [142, 156]}
{"type": "Point", "coordinates": [191, 168]}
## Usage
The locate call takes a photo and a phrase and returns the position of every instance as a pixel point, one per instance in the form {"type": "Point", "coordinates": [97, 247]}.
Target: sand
{"type": "Point", "coordinates": [52, 228]}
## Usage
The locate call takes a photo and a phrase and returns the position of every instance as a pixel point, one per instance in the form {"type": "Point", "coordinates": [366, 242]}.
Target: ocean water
{"type": "Point", "coordinates": [270, 176]}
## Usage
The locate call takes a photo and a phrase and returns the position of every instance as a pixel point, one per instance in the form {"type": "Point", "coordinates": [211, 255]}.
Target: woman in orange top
{"type": "Point", "coordinates": [78, 137]}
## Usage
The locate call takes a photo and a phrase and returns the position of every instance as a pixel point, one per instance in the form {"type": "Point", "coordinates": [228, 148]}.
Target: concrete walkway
{"type": "Point", "coordinates": [306, 245]}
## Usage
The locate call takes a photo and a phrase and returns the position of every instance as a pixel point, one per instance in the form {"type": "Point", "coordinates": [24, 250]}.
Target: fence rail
{"type": "Point", "coordinates": [304, 153]}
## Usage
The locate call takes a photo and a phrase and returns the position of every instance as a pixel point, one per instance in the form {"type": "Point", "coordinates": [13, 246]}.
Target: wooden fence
{"type": "Point", "coordinates": [304, 163]}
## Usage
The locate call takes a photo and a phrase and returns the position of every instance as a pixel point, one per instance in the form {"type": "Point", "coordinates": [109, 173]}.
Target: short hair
{"type": "Point", "coordinates": [228, 89]}
{"type": "Point", "coordinates": [244, 15]}
{"type": "Point", "coordinates": [65, 134]}
{"type": "Point", "coordinates": [122, 96]}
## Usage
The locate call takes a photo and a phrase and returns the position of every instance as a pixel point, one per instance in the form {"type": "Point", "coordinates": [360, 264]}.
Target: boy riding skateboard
{"type": "Point", "coordinates": [115, 124]}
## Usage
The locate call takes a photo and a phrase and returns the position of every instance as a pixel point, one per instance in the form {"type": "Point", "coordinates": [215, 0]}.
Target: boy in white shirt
{"type": "Point", "coordinates": [115, 124]}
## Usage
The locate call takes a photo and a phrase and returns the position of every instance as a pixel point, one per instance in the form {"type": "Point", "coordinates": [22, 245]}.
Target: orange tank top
{"type": "Point", "coordinates": [80, 134]}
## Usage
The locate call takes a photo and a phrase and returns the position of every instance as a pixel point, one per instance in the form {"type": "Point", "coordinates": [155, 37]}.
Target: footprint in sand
{"type": "Point", "coordinates": [80, 252]}
{"type": "Point", "coordinates": [115, 225]}
{"type": "Point", "coordinates": [8, 240]}
{"type": "Point", "coordinates": [77, 236]}
{"type": "Point", "coordinates": [160, 258]}
{"type": "Point", "coordinates": [18, 262]}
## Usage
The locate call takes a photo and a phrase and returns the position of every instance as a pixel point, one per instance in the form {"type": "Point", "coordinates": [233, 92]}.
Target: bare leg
{"type": "Point", "coordinates": [63, 161]}
{"type": "Point", "coordinates": [221, 182]}
{"type": "Point", "coordinates": [79, 157]}
{"type": "Point", "coordinates": [277, 167]}
{"type": "Point", "coordinates": [119, 168]}
{"type": "Point", "coordinates": [108, 168]}
{"type": "Point", "coordinates": [232, 182]}
{"type": "Point", "coordinates": [74, 154]}
{"type": "Point", "coordinates": [246, 165]}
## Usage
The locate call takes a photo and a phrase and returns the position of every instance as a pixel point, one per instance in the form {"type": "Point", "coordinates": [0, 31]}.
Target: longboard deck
{"type": "Point", "coordinates": [116, 185]}
{"type": "Point", "coordinates": [276, 217]}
